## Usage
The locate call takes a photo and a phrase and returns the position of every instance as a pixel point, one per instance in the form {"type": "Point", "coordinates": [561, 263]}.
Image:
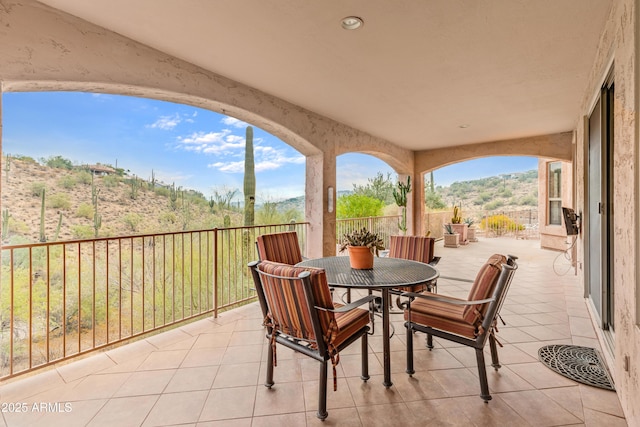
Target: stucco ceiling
{"type": "Point", "coordinates": [415, 73]}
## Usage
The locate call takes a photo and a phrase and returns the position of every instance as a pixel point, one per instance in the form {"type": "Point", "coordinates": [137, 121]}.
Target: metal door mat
{"type": "Point", "coordinates": [581, 364]}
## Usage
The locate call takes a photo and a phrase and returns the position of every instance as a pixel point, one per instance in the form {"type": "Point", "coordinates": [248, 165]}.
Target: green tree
{"type": "Point", "coordinates": [378, 187]}
{"type": "Point", "coordinates": [358, 206]}
{"type": "Point", "coordinates": [58, 162]}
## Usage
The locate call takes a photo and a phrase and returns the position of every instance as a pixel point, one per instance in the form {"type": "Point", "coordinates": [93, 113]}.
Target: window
{"type": "Point", "coordinates": [555, 194]}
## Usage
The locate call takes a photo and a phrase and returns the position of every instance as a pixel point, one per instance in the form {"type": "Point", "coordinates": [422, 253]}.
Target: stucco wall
{"type": "Point", "coordinates": [619, 45]}
{"type": "Point", "coordinates": [553, 236]}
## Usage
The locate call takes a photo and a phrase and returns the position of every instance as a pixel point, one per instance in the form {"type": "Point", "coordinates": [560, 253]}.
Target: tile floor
{"type": "Point", "coordinates": [210, 373]}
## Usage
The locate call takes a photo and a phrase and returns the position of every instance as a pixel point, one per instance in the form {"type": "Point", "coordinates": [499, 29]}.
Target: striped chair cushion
{"type": "Point", "coordinates": [416, 248]}
{"type": "Point", "coordinates": [288, 309]}
{"type": "Point", "coordinates": [441, 315]}
{"type": "Point", "coordinates": [483, 287]}
{"type": "Point", "coordinates": [279, 247]}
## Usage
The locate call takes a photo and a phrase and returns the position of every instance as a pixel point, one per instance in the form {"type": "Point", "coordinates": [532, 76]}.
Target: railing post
{"type": "Point", "coordinates": [215, 273]}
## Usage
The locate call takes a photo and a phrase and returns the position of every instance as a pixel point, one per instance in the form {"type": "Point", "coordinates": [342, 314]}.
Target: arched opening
{"type": "Point", "coordinates": [146, 148]}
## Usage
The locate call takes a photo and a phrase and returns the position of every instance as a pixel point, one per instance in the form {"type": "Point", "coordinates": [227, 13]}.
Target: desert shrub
{"type": "Point", "coordinates": [500, 224]}
{"type": "Point", "coordinates": [85, 210]}
{"type": "Point", "coordinates": [161, 191]}
{"type": "Point", "coordinates": [59, 201]}
{"type": "Point", "coordinates": [82, 232]}
{"type": "Point", "coordinates": [37, 188]}
{"type": "Point", "coordinates": [83, 177]}
{"type": "Point", "coordinates": [168, 218]}
{"type": "Point", "coordinates": [111, 181]}
{"type": "Point", "coordinates": [132, 220]}
{"type": "Point", "coordinates": [58, 162]}
{"type": "Point", "coordinates": [26, 159]}
{"type": "Point", "coordinates": [67, 181]}
{"type": "Point", "coordinates": [529, 201]}
{"type": "Point", "coordinates": [494, 205]}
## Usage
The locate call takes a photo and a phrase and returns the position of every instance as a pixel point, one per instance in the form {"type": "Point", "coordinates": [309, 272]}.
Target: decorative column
{"type": "Point", "coordinates": [320, 204]}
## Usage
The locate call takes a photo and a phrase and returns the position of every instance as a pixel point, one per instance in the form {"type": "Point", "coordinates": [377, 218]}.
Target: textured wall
{"type": "Point", "coordinates": [619, 43]}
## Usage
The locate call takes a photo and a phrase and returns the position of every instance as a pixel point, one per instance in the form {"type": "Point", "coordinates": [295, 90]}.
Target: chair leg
{"type": "Point", "coordinates": [322, 392]}
{"type": "Point", "coordinates": [365, 358]}
{"type": "Point", "coordinates": [430, 342]}
{"type": "Point", "coordinates": [482, 374]}
{"type": "Point", "coordinates": [410, 369]}
{"type": "Point", "coordinates": [495, 362]}
{"type": "Point", "coordinates": [269, 382]}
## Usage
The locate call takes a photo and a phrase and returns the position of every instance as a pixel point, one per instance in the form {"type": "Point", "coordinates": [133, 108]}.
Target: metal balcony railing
{"type": "Point", "coordinates": [59, 300]}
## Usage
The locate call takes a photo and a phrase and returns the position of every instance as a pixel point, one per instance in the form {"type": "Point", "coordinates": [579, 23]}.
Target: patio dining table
{"type": "Point", "coordinates": [386, 273]}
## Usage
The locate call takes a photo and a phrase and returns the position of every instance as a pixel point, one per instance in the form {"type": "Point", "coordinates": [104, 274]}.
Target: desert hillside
{"type": "Point", "coordinates": [126, 205]}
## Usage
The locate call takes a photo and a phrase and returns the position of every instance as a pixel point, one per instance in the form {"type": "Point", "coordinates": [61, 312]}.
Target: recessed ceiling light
{"type": "Point", "coordinates": [352, 23]}
{"type": "Point", "coordinates": [464, 126]}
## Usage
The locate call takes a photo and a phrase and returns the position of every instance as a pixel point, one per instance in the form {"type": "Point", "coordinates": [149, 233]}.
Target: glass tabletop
{"type": "Point", "coordinates": [386, 272]}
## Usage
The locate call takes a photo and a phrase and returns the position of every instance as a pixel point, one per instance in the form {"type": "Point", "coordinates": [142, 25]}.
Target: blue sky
{"type": "Point", "coordinates": [191, 147]}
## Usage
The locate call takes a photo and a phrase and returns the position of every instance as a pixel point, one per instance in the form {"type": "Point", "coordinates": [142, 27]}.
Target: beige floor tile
{"type": "Point", "coordinates": [247, 338]}
{"type": "Point", "coordinates": [494, 413]}
{"type": "Point", "coordinates": [567, 397]}
{"type": "Point", "coordinates": [170, 359]}
{"type": "Point", "coordinates": [124, 411]}
{"type": "Point", "coordinates": [372, 392]}
{"type": "Point", "coordinates": [145, 383]}
{"type": "Point", "coordinates": [229, 403]}
{"type": "Point", "coordinates": [186, 379]}
{"type": "Point", "coordinates": [19, 389]}
{"type": "Point", "coordinates": [98, 386]}
{"type": "Point", "coordinates": [538, 409]}
{"type": "Point", "coordinates": [242, 374]}
{"type": "Point", "coordinates": [176, 408]}
{"type": "Point", "coordinates": [345, 417]}
{"type": "Point", "coordinates": [203, 357]}
{"type": "Point", "coordinates": [239, 422]}
{"type": "Point", "coordinates": [597, 419]}
{"type": "Point", "coordinates": [285, 420]}
{"type": "Point", "coordinates": [75, 414]}
{"type": "Point", "coordinates": [287, 371]}
{"type": "Point", "coordinates": [82, 368]}
{"type": "Point", "coordinates": [243, 354]}
{"type": "Point", "coordinates": [601, 400]}
{"type": "Point", "coordinates": [458, 382]}
{"type": "Point", "coordinates": [213, 340]}
{"type": "Point", "coordinates": [279, 399]}
{"type": "Point", "coordinates": [341, 398]}
{"type": "Point", "coordinates": [388, 414]}
{"type": "Point", "coordinates": [540, 376]}
{"type": "Point", "coordinates": [438, 412]}
{"type": "Point", "coordinates": [421, 386]}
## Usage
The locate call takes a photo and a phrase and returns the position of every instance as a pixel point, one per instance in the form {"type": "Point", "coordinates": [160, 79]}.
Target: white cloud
{"type": "Point", "coordinates": [266, 158]}
{"type": "Point", "coordinates": [231, 121]}
{"type": "Point", "coordinates": [218, 143]}
{"type": "Point", "coordinates": [166, 122]}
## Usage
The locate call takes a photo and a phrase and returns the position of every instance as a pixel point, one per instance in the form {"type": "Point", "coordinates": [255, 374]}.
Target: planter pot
{"type": "Point", "coordinates": [451, 240]}
{"type": "Point", "coordinates": [360, 257]}
{"type": "Point", "coordinates": [462, 230]}
{"type": "Point", "coordinates": [471, 234]}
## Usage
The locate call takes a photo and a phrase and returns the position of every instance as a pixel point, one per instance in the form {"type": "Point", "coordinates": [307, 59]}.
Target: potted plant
{"type": "Point", "coordinates": [400, 196]}
{"type": "Point", "coordinates": [362, 244]}
{"type": "Point", "coordinates": [450, 237]}
{"type": "Point", "coordinates": [471, 231]}
{"type": "Point", "coordinates": [458, 226]}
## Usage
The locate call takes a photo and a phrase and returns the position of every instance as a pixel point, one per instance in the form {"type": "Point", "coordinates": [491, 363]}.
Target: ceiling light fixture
{"type": "Point", "coordinates": [464, 126]}
{"type": "Point", "coordinates": [352, 23]}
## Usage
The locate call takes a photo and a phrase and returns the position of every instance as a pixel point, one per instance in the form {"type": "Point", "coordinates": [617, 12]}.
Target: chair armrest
{"type": "Point", "coordinates": [432, 297]}
{"type": "Point", "coordinates": [350, 306]}
{"type": "Point", "coordinates": [434, 261]}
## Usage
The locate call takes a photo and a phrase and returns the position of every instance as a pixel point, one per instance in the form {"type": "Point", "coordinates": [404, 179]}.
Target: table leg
{"type": "Point", "coordinates": [386, 346]}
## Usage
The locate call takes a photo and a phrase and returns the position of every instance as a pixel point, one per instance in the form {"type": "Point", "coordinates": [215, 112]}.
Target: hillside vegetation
{"type": "Point", "coordinates": [128, 205]}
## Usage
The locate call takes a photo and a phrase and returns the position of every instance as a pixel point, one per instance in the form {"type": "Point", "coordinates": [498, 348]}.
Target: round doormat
{"type": "Point", "coordinates": [581, 364]}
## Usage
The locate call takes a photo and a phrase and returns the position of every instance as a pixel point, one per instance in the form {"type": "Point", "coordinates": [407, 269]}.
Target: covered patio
{"type": "Point", "coordinates": [210, 372]}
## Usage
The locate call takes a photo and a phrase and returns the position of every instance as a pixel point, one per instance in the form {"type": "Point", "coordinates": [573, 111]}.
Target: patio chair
{"type": "Point", "coordinates": [470, 322]}
{"type": "Point", "coordinates": [299, 314]}
{"type": "Point", "coordinates": [415, 248]}
{"type": "Point", "coordinates": [279, 247]}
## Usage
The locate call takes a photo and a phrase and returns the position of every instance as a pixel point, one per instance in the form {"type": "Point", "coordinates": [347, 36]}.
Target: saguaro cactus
{"type": "Point", "coordinates": [400, 196]}
{"type": "Point", "coordinates": [97, 218]}
{"type": "Point", "coordinates": [43, 237]}
{"type": "Point", "coordinates": [249, 180]}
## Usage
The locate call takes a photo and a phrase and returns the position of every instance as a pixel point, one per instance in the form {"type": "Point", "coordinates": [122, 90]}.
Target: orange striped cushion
{"type": "Point", "coordinates": [483, 287]}
{"type": "Point", "coordinates": [441, 315]}
{"type": "Point", "coordinates": [349, 323]}
{"type": "Point", "coordinates": [287, 306]}
{"type": "Point", "coordinates": [280, 247]}
{"type": "Point", "coordinates": [416, 248]}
